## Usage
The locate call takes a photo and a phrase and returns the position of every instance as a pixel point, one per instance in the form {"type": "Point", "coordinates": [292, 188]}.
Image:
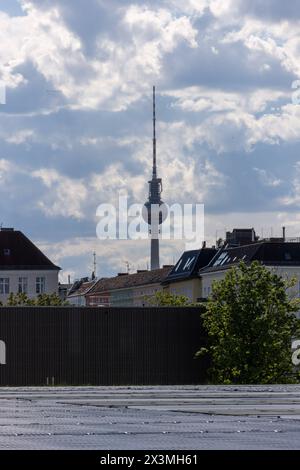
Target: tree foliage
{"type": "Point", "coordinates": [164, 299]}
{"type": "Point", "coordinates": [42, 300]}
{"type": "Point", "coordinates": [250, 323]}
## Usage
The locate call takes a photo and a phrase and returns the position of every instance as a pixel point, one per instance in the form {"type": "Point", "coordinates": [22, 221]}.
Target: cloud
{"type": "Point", "coordinates": [272, 10]}
{"type": "Point", "coordinates": [232, 121]}
{"type": "Point", "coordinates": [20, 137]}
{"type": "Point", "coordinates": [199, 99]}
{"type": "Point", "coordinates": [66, 196]}
{"type": "Point", "coordinates": [43, 38]}
{"type": "Point", "coordinates": [293, 198]}
{"type": "Point", "coordinates": [112, 255]}
{"type": "Point", "coordinates": [267, 178]}
{"type": "Point", "coordinates": [280, 42]}
{"type": "Point", "coordinates": [76, 127]}
{"type": "Point", "coordinates": [5, 169]}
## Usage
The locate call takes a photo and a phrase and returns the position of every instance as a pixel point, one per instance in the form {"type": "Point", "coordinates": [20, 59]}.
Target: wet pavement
{"type": "Point", "coordinates": [177, 417]}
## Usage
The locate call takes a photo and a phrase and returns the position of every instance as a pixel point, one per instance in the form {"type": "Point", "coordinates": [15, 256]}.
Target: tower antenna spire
{"type": "Point", "coordinates": [154, 173]}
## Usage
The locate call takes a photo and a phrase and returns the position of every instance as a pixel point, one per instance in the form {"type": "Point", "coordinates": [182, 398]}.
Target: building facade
{"type": "Point", "coordinates": [63, 290]}
{"type": "Point", "coordinates": [282, 257]}
{"type": "Point", "coordinates": [183, 279]}
{"type": "Point", "coordinates": [127, 290]}
{"type": "Point", "coordinates": [24, 268]}
{"type": "Point", "coordinates": [78, 291]}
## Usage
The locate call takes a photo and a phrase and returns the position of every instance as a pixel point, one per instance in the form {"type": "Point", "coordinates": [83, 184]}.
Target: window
{"type": "Point", "coordinates": [220, 259]}
{"type": "Point", "coordinates": [23, 285]}
{"type": "Point", "coordinates": [6, 252]}
{"type": "Point", "coordinates": [40, 285]}
{"type": "Point", "coordinates": [4, 285]}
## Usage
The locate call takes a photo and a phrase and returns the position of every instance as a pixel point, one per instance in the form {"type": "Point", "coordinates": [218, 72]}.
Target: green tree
{"type": "Point", "coordinates": [250, 323]}
{"type": "Point", "coordinates": [164, 299]}
{"type": "Point", "coordinates": [52, 300]}
{"type": "Point", "coordinates": [19, 300]}
{"type": "Point", "coordinates": [46, 300]}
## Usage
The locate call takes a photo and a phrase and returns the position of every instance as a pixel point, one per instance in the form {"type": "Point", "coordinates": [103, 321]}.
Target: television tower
{"type": "Point", "coordinates": [155, 208]}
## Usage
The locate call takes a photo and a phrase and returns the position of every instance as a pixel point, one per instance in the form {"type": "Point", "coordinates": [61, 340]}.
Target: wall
{"type": "Point", "coordinates": [207, 280]}
{"type": "Point", "coordinates": [190, 288]}
{"type": "Point", "coordinates": [101, 346]}
{"type": "Point", "coordinates": [142, 294]}
{"type": "Point", "coordinates": [77, 300]}
{"type": "Point", "coordinates": [283, 271]}
{"type": "Point", "coordinates": [97, 300]}
{"type": "Point", "coordinates": [51, 284]}
{"type": "Point", "coordinates": [121, 297]}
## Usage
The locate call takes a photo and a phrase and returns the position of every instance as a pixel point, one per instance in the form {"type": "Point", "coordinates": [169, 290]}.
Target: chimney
{"type": "Point", "coordinates": [283, 233]}
{"type": "Point", "coordinates": [69, 279]}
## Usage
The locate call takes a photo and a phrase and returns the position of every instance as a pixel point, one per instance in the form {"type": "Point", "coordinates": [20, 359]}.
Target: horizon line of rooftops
{"type": "Point", "coordinates": [239, 237]}
{"type": "Point", "coordinates": [203, 257]}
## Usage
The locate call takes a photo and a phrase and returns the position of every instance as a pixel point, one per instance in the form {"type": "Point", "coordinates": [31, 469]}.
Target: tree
{"type": "Point", "coordinates": [164, 299]}
{"type": "Point", "coordinates": [19, 300]}
{"type": "Point", "coordinates": [250, 323]}
{"type": "Point", "coordinates": [46, 300]}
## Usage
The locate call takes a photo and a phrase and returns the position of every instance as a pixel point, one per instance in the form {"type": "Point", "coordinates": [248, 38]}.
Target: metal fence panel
{"type": "Point", "coordinates": [101, 346]}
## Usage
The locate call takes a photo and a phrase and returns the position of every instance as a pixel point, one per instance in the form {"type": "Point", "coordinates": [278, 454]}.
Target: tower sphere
{"type": "Point", "coordinates": [162, 212]}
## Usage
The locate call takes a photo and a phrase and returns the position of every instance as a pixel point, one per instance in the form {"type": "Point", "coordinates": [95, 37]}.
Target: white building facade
{"type": "Point", "coordinates": [282, 258]}
{"type": "Point", "coordinates": [24, 268]}
{"type": "Point", "coordinates": [30, 282]}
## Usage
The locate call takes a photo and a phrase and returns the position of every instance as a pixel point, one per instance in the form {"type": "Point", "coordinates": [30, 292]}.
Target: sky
{"type": "Point", "coordinates": [76, 126]}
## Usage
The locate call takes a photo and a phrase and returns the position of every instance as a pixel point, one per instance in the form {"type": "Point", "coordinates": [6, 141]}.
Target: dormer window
{"type": "Point", "coordinates": [6, 251]}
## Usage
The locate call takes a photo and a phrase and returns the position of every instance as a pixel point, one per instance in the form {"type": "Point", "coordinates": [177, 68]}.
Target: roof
{"type": "Point", "coordinates": [268, 253]}
{"type": "Point", "coordinates": [80, 288]}
{"type": "Point", "coordinates": [189, 264]}
{"type": "Point", "coordinates": [18, 252]}
{"type": "Point", "coordinates": [130, 280]}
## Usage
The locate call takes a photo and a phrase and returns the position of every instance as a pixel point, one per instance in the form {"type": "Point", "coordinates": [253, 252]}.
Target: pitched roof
{"type": "Point", "coordinates": [80, 288]}
{"type": "Point", "coordinates": [18, 252]}
{"type": "Point", "coordinates": [189, 264]}
{"type": "Point", "coordinates": [130, 280]}
{"type": "Point", "coordinates": [268, 253]}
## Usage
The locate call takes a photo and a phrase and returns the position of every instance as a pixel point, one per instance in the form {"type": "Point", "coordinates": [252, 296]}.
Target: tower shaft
{"type": "Point", "coordinates": [154, 201]}
{"type": "Point", "coordinates": [154, 264]}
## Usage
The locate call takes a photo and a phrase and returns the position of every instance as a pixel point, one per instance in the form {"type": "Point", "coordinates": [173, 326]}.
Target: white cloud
{"type": "Point", "coordinates": [267, 178]}
{"type": "Point", "coordinates": [238, 61]}
{"type": "Point", "coordinates": [279, 40]}
{"type": "Point", "coordinates": [42, 38]}
{"type": "Point", "coordinates": [232, 121]}
{"type": "Point", "coordinates": [112, 255]}
{"type": "Point", "coordinates": [214, 50]}
{"type": "Point", "coordinates": [293, 198]}
{"type": "Point", "coordinates": [190, 7]}
{"type": "Point", "coordinates": [6, 168]}
{"type": "Point", "coordinates": [66, 196]}
{"type": "Point", "coordinates": [20, 137]}
{"type": "Point", "coordinates": [197, 99]}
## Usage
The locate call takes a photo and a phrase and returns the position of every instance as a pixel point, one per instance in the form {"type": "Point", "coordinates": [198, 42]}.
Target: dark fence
{"type": "Point", "coordinates": [100, 346]}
